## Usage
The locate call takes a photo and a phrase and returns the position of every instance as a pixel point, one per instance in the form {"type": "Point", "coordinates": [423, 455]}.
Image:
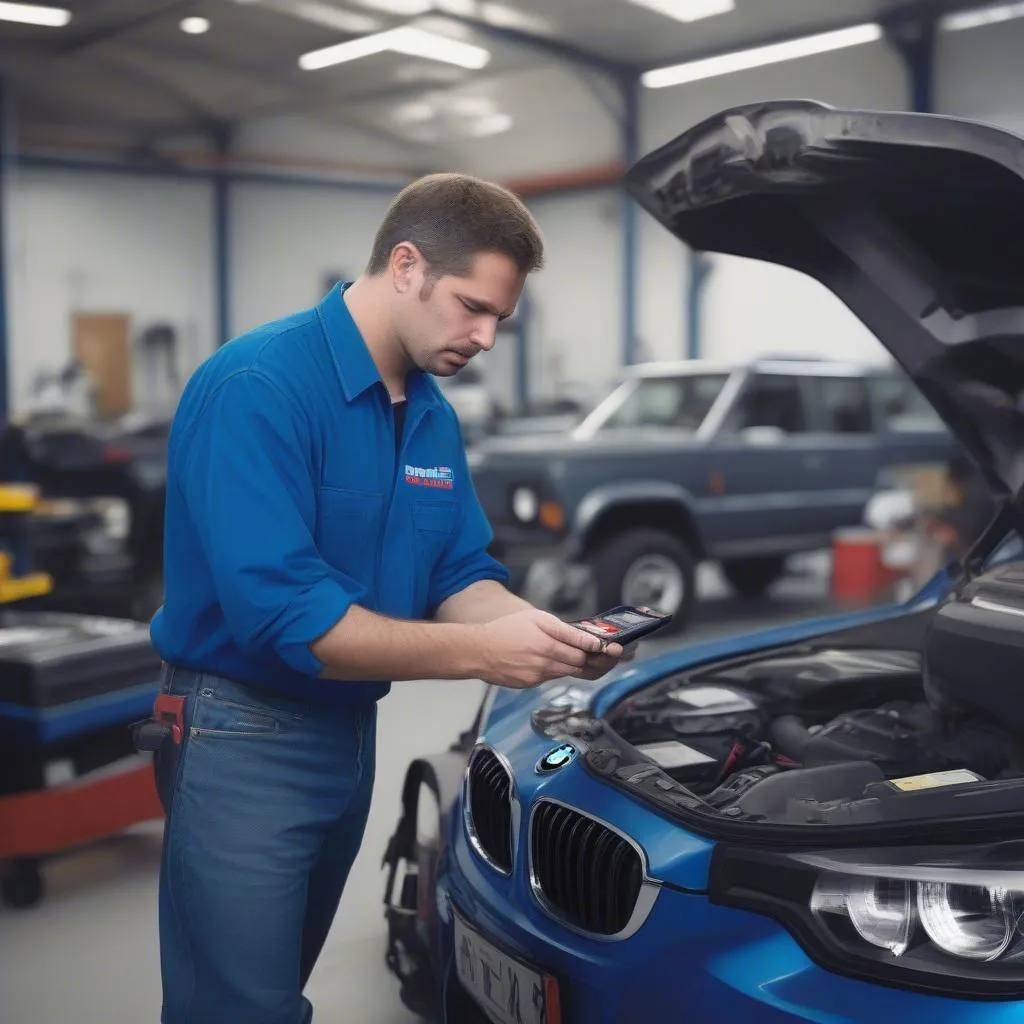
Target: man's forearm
{"type": "Point", "coordinates": [483, 601]}
{"type": "Point", "coordinates": [366, 646]}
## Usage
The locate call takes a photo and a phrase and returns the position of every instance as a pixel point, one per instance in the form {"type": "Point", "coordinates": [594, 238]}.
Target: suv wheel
{"type": "Point", "coordinates": [751, 577]}
{"type": "Point", "coordinates": [646, 567]}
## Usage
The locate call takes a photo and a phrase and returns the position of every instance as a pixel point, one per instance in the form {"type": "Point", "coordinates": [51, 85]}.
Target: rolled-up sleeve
{"type": "Point", "coordinates": [246, 474]}
{"type": "Point", "coordinates": [465, 559]}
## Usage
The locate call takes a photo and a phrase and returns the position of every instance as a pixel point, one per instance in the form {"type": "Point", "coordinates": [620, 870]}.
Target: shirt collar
{"type": "Point", "coordinates": [356, 368]}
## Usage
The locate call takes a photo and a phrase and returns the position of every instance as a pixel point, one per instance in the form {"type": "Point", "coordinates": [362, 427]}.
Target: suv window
{"type": "Point", "coordinates": [901, 407]}
{"type": "Point", "coordinates": [846, 404]}
{"type": "Point", "coordinates": [668, 402]}
{"type": "Point", "coordinates": [770, 401]}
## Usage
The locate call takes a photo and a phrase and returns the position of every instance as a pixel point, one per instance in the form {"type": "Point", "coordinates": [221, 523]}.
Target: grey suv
{"type": "Point", "coordinates": [684, 462]}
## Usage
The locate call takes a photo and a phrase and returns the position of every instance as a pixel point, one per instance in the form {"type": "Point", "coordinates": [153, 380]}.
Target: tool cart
{"type": "Point", "coordinates": [70, 688]}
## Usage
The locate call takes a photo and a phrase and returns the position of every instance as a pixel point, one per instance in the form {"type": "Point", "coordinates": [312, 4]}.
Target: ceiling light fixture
{"type": "Point", "coordinates": [194, 26]}
{"type": "Point", "coordinates": [401, 8]}
{"type": "Point", "coordinates": [35, 14]}
{"type": "Point", "coordinates": [413, 42]}
{"type": "Point", "coordinates": [493, 124]}
{"type": "Point", "coordinates": [687, 10]}
{"type": "Point", "coordinates": [960, 20]}
{"type": "Point", "coordinates": [472, 106]}
{"type": "Point", "coordinates": [743, 60]}
{"type": "Point", "coordinates": [414, 113]}
{"type": "Point", "coordinates": [503, 16]}
{"type": "Point", "coordinates": [317, 13]}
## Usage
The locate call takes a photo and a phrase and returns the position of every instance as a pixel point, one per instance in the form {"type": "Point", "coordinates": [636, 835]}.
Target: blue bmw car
{"type": "Point", "coordinates": [819, 823]}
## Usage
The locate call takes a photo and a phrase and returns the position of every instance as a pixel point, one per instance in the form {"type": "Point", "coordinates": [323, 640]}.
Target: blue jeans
{"type": "Point", "coordinates": [268, 800]}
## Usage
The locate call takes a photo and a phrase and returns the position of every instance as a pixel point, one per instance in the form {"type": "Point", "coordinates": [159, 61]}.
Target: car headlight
{"type": "Point", "coordinates": [947, 920]}
{"type": "Point", "coordinates": [525, 504]}
{"type": "Point", "coordinates": [880, 910]}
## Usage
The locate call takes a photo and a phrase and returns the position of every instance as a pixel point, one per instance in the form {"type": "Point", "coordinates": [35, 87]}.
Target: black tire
{"type": "Point", "coordinates": [614, 559]}
{"type": "Point", "coordinates": [22, 885]}
{"type": "Point", "coordinates": [751, 577]}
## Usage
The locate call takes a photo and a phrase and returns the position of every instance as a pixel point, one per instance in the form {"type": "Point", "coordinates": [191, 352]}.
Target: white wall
{"type": "Point", "coordinates": [980, 74]}
{"type": "Point", "coordinates": [96, 242]}
{"type": "Point", "coordinates": [751, 308]}
{"type": "Point", "coordinates": [576, 301]}
{"type": "Point", "coordinates": [285, 238]}
{"type": "Point", "coordinates": [311, 142]}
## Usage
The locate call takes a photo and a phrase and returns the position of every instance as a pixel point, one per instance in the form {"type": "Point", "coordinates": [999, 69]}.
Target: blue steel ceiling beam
{"type": "Point", "coordinates": [555, 49]}
{"type": "Point", "coordinates": [111, 33]}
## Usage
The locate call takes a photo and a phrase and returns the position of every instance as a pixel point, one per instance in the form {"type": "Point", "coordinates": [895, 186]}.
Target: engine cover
{"type": "Point", "coordinates": [974, 654]}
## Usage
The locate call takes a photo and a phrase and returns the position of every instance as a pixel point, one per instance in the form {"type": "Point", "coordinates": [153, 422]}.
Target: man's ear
{"type": "Point", "coordinates": [405, 261]}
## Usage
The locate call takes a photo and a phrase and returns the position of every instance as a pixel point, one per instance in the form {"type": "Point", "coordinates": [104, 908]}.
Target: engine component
{"type": "Point", "coordinates": [808, 681]}
{"type": "Point", "coordinates": [974, 653]}
{"type": "Point", "coordinates": [897, 737]}
{"type": "Point", "coordinates": [739, 784]}
{"type": "Point", "coordinates": [776, 797]}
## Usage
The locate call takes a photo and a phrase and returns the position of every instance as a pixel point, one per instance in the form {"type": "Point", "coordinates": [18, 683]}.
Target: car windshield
{"type": "Point", "coordinates": [682, 402]}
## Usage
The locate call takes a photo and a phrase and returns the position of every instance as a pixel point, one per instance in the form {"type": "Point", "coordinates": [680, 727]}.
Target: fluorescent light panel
{"type": "Point", "coordinates": [743, 60]}
{"type": "Point", "coordinates": [992, 15]}
{"type": "Point", "coordinates": [413, 42]}
{"type": "Point", "coordinates": [318, 13]}
{"type": "Point", "coordinates": [35, 14]}
{"type": "Point", "coordinates": [492, 124]}
{"type": "Point", "coordinates": [400, 8]}
{"type": "Point", "coordinates": [195, 26]}
{"type": "Point", "coordinates": [687, 10]}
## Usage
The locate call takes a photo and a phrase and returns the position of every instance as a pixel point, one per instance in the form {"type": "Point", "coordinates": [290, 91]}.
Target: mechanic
{"type": "Point", "coordinates": [323, 538]}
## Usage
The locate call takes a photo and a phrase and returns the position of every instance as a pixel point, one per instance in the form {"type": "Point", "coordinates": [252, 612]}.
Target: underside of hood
{"type": "Point", "coordinates": [916, 222]}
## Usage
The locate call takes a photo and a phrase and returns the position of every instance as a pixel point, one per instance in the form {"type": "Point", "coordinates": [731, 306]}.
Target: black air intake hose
{"type": "Point", "coordinates": [790, 736]}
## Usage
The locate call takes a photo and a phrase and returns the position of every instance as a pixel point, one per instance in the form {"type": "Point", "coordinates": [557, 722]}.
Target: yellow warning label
{"type": "Point", "coordinates": [936, 780]}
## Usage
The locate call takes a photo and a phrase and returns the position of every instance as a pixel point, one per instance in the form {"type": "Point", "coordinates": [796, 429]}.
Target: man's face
{"type": "Point", "coordinates": [443, 322]}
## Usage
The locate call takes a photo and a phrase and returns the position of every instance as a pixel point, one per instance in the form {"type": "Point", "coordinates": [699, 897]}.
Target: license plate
{"type": "Point", "coordinates": [506, 989]}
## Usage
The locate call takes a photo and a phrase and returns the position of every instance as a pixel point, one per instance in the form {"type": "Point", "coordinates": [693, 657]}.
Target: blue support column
{"type": "Point", "coordinates": [630, 240]}
{"type": "Point", "coordinates": [700, 269]}
{"type": "Point", "coordinates": [6, 158]}
{"type": "Point", "coordinates": [915, 43]}
{"type": "Point", "coordinates": [222, 237]}
{"type": "Point", "coordinates": [522, 333]}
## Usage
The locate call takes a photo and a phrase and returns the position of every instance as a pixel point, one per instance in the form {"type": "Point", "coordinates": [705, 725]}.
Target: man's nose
{"type": "Point", "coordinates": [483, 336]}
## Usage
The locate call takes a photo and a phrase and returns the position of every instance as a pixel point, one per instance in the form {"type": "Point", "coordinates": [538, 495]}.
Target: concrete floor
{"type": "Point", "coordinates": [88, 953]}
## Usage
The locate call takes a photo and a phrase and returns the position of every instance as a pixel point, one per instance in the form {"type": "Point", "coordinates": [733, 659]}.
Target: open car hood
{"type": "Point", "coordinates": [916, 222]}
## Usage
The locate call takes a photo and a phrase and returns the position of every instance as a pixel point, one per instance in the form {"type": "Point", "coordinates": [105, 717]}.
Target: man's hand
{"type": "Point", "coordinates": [531, 647]}
{"type": "Point", "coordinates": [599, 665]}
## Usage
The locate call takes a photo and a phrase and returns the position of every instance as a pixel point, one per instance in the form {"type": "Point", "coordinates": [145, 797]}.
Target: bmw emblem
{"type": "Point", "coordinates": [557, 758]}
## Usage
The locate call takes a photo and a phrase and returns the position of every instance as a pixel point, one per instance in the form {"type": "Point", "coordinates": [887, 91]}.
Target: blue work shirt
{"type": "Point", "coordinates": [287, 502]}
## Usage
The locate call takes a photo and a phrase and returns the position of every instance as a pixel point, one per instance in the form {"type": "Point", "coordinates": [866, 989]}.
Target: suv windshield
{"type": "Point", "coordinates": [682, 402]}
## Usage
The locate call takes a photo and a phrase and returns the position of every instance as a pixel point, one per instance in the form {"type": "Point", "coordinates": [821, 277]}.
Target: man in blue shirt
{"type": "Point", "coordinates": [322, 539]}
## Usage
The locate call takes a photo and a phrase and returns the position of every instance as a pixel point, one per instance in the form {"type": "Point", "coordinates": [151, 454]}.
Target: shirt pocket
{"type": "Point", "coordinates": [348, 531]}
{"type": "Point", "coordinates": [433, 522]}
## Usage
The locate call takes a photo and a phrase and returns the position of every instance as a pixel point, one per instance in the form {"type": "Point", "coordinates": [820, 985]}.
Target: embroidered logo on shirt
{"type": "Point", "coordinates": [437, 476]}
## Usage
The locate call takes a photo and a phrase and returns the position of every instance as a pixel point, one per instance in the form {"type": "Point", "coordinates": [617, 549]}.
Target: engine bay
{"type": "Point", "coordinates": [820, 735]}
{"type": "Point", "coordinates": [911, 719]}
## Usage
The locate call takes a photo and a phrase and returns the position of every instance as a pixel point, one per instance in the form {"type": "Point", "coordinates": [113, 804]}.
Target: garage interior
{"type": "Point", "coordinates": [173, 174]}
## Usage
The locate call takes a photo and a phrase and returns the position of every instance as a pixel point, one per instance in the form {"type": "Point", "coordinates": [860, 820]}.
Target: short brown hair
{"type": "Point", "coordinates": [451, 218]}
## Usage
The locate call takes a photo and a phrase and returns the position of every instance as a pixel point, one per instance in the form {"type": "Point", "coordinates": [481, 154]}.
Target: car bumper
{"type": "Point", "coordinates": [690, 960]}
